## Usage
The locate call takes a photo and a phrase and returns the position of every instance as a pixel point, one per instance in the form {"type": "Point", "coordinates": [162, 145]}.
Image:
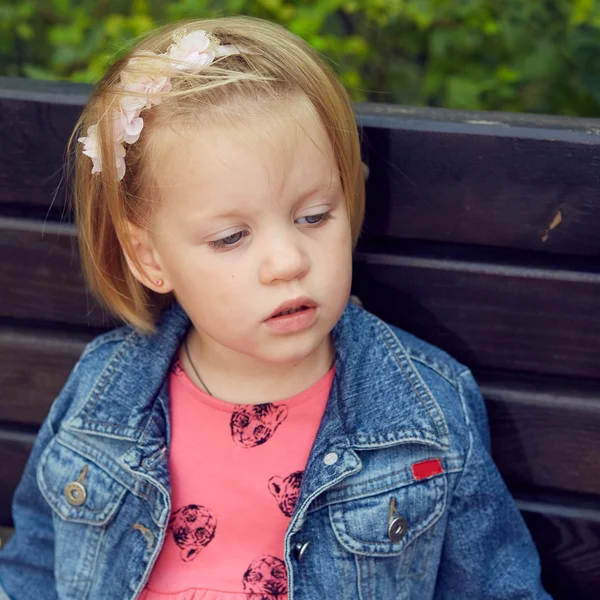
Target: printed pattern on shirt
{"type": "Point", "coordinates": [193, 527]}
{"type": "Point", "coordinates": [176, 368]}
{"type": "Point", "coordinates": [256, 564]}
{"type": "Point", "coordinates": [265, 579]}
{"type": "Point", "coordinates": [254, 424]}
{"type": "Point", "coordinates": [286, 491]}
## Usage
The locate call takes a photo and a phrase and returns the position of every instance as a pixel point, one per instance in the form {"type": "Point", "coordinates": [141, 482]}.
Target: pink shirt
{"type": "Point", "coordinates": [235, 475]}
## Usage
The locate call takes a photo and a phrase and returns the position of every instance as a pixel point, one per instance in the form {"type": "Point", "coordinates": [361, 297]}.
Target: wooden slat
{"type": "Point", "coordinates": [489, 315]}
{"type": "Point", "coordinates": [497, 179]}
{"type": "Point", "coordinates": [440, 175]}
{"type": "Point", "coordinates": [40, 275]}
{"type": "Point", "coordinates": [34, 366]}
{"type": "Point", "coordinates": [544, 431]}
{"type": "Point", "coordinates": [36, 119]}
{"type": "Point", "coordinates": [569, 550]}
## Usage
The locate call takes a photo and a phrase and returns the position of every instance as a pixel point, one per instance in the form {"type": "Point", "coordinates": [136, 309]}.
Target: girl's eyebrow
{"type": "Point", "coordinates": [202, 219]}
{"type": "Point", "coordinates": [232, 212]}
{"type": "Point", "coordinates": [242, 211]}
{"type": "Point", "coordinates": [323, 187]}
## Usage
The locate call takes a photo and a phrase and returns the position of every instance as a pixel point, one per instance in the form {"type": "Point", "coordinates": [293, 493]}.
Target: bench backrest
{"type": "Point", "coordinates": [482, 236]}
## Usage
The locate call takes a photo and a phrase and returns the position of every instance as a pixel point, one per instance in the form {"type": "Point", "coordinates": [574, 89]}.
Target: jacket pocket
{"type": "Point", "coordinates": [385, 522]}
{"type": "Point", "coordinates": [77, 489]}
{"type": "Point", "coordinates": [84, 499]}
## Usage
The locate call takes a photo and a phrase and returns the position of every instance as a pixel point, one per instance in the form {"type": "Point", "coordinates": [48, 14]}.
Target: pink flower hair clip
{"type": "Point", "coordinates": [147, 80]}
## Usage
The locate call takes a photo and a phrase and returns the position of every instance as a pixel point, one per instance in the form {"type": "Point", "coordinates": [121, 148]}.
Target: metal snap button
{"type": "Point", "coordinates": [397, 525]}
{"type": "Point", "coordinates": [330, 458]}
{"type": "Point", "coordinates": [397, 528]}
{"type": "Point", "coordinates": [75, 493]}
{"type": "Point", "coordinates": [300, 549]}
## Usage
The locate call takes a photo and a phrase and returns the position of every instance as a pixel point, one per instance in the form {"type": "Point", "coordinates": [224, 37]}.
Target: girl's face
{"type": "Point", "coordinates": [250, 219]}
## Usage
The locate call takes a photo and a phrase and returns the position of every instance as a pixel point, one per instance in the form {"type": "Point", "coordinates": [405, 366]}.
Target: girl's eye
{"type": "Point", "coordinates": [316, 220]}
{"type": "Point", "coordinates": [228, 242]}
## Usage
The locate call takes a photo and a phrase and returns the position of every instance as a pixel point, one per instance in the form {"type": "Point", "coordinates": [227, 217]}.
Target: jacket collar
{"type": "Point", "coordinates": [125, 392]}
{"type": "Point", "coordinates": [378, 397]}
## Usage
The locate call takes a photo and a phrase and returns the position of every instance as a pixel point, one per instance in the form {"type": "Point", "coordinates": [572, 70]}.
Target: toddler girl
{"type": "Point", "coordinates": [249, 434]}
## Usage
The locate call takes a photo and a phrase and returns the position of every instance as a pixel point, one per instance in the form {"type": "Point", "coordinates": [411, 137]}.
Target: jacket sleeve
{"type": "Point", "coordinates": [27, 560]}
{"type": "Point", "coordinates": [488, 551]}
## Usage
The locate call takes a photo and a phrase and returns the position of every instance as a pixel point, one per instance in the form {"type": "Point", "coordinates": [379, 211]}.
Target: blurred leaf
{"type": "Point", "coordinates": [517, 55]}
{"type": "Point", "coordinates": [462, 93]}
{"type": "Point", "coordinates": [60, 35]}
{"type": "Point", "coordinates": [582, 10]}
{"type": "Point", "coordinates": [34, 72]}
{"type": "Point", "coordinates": [351, 78]}
{"type": "Point", "coordinates": [25, 31]}
{"type": "Point", "coordinates": [507, 74]}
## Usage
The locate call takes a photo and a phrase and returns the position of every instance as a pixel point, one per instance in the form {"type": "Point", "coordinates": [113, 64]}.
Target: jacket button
{"type": "Point", "coordinates": [397, 528]}
{"type": "Point", "coordinates": [330, 459]}
{"type": "Point", "coordinates": [75, 493]}
{"type": "Point", "coordinates": [300, 549]}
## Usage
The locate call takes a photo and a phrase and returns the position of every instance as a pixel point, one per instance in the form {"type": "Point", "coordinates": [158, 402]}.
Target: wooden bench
{"type": "Point", "coordinates": [482, 236]}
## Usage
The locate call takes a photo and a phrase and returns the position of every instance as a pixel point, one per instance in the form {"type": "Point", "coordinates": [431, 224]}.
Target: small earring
{"type": "Point", "coordinates": [159, 282]}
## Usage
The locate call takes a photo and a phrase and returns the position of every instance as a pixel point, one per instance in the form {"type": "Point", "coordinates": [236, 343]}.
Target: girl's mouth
{"type": "Point", "coordinates": [289, 311]}
{"type": "Point", "coordinates": [292, 320]}
{"type": "Point", "coordinates": [292, 306]}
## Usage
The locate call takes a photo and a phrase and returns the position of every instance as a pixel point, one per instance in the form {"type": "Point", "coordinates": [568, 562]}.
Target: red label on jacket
{"type": "Point", "coordinates": [427, 468]}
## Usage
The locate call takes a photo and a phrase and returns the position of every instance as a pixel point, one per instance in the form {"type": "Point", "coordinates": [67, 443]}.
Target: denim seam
{"type": "Point", "coordinates": [418, 437]}
{"type": "Point", "coordinates": [297, 515]}
{"type": "Point", "coordinates": [411, 478]}
{"type": "Point", "coordinates": [440, 488]}
{"type": "Point", "coordinates": [94, 563]}
{"type": "Point", "coordinates": [324, 504]}
{"type": "Point", "coordinates": [420, 358]}
{"type": "Point", "coordinates": [117, 466]}
{"type": "Point", "coordinates": [156, 484]}
{"type": "Point", "coordinates": [467, 372]}
{"type": "Point", "coordinates": [392, 486]}
{"type": "Point", "coordinates": [444, 505]}
{"type": "Point", "coordinates": [391, 339]}
{"type": "Point", "coordinates": [339, 521]}
{"type": "Point", "coordinates": [145, 432]}
{"type": "Point", "coordinates": [78, 580]}
{"type": "Point", "coordinates": [3, 593]}
{"type": "Point", "coordinates": [423, 571]}
{"type": "Point", "coordinates": [115, 335]}
{"type": "Point", "coordinates": [358, 577]}
{"type": "Point", "coordinates": [121, 436]}
{"type": "Point", "coordinates": [152, 560]}
{"type": "Point", "coordinates": [105, 521]}
{"type": "Point", "coordinates": [54, 503]}
{"type": "Point", "coordinates": [287, 562]}
{"type": "Point", "coordinates": [340, 405]}
{"type": "Point", "coordinates": [103, 380]}
{"type": "Point", "coordinates": [151, 460]}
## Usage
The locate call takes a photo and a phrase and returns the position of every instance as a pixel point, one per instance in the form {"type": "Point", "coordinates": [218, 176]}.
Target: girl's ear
{"type": "Point", "coordinates": [366, 170]}
{"type": "Point", "coordinates": [152, 276]}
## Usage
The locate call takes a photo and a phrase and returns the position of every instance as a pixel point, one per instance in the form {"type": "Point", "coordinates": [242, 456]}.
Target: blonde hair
{"type": "Point", "coordinates": [276, 65]}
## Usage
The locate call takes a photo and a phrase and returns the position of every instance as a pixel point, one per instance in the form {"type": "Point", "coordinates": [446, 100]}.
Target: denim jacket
{"type": "Point", "coordinates": [399, 498]}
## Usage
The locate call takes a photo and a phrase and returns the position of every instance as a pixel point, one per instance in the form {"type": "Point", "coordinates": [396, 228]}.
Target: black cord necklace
{"type": "Point", "coordinates": [193, 367]}
{"type": "Point", "coordinates": [187, 352]}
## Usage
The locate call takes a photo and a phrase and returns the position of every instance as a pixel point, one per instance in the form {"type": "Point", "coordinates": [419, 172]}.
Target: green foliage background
{"type": "Point", "coordinates": [512, 55]}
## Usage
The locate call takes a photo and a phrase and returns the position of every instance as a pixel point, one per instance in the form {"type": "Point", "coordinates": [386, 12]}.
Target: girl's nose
{"type": "Point", "coordinates": [283, 259]}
